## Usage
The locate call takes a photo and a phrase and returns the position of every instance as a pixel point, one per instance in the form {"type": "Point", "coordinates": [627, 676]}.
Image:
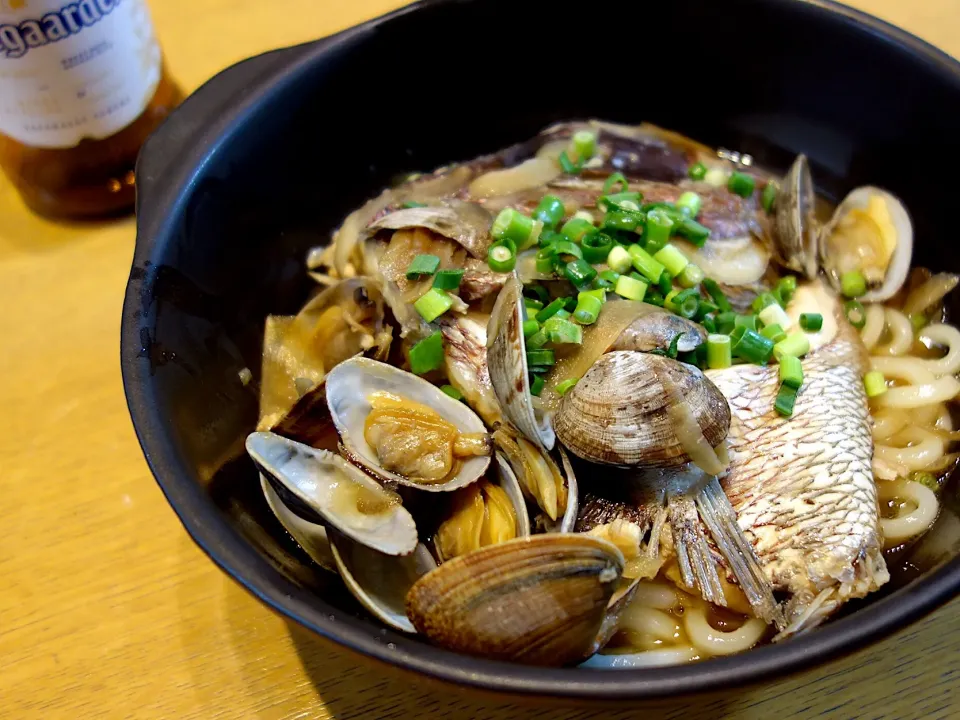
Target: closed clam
{"type": "Point", "coordinates": [870, 233]}
{"type": "Point", "coordinates": [332, 492]}
{"type": "Point", "coordinates": [401, 429]}
{"type": "Point", "coordinates": [795, 231]}
{"type": "Point", "coordinates": [540, 600]}
{"type": "Point", "coordinates": [620, 411]}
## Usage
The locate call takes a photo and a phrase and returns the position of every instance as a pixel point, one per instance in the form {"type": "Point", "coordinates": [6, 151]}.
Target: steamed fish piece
{"type": "Point", "coordinates": [803, 486]}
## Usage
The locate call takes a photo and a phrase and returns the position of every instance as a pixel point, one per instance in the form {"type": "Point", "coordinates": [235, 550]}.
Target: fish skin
{"type": "Point", "coordinates": [803, 486]}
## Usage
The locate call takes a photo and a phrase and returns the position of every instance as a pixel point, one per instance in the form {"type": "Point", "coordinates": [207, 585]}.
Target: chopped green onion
{"type": "Point", "coordinates": [773, 314]}
{"type": "Point", "coordinates": [616, 179]}
{"type": "Point", "coordinates": [550, 310]}
{"type": "Point", "coordinates": [579, 272]}
{"type": "Point", "coordinates": [585, 144]}
{"type": "Point", "coordinates": [427, 354]}
{"type": "Point", "coordinates": [585, 215]}
{"type": "Point", "coordinates": [791, 371]}
{"type": "Point", "coordinates": [549, 237]}
{"type": "Point", "coordinates": [773, 332]}
{"type": "Point", "coordinates": [796, 344]}
{"type": "Point", "coordinates": [726, 322]}
{"type": "Point", "coordinates": [599, 293]}
{"type": "Point", "coordinates": [541, 292]}
{"type": "Point", "coordinates": [653, 297]}
{"type": "Point", "coordinates": [708, 324]}
{"type": "Point", "coordinates": [566, 249]}
{"type": "Point", "coordinates": [746, 321]}
{"type": "Point", "coordinates": [542, 358]}
{"type": "Point", "coordinates": [853, 284]}
{"type": "Point", "coordinates": [620, 221]}
{"type": "Point", "coordinates": [514, 226]}
{"type": "Point", "coordinates": [596, 247]}
{"type": "Point", "coordinates": [713, 289]}
{"type": "Point", "coordinates": [672, 259]}
{"type": "Point", "coordinates": [918, 321]}
{"type": "Point", "coordinates": [501, 258]}
{"type": "Point", "coordinates": [697, 171]}
{"type": "Point", "coordinates": [716, 177]}
{"type": "Point", "coordinates": [545, 263]}
{"type": "Point", "coordinates": [769, 197]}
{"type": "Point", "coordinates": [629, 288]}
{"type": "Point", "coordinates": [624, 201]}
{"type": "Point", "coordinates": [452, 392]}
{"type": "Point", "coordinates": [562, 387]}
{"type": "Point", "coordinates": [562, 314]}
{"type": "Point", "coordinates": [550, 211]}
{"type": "Point", "coordinates": [786, 288]}
{"type": "Point", "coordinates": [588, 309]}
{"type": "Point", "coordinates": [448, 279]}
{"type": "Point", "coordinates": [874, 383]}
{"type": "Point", "coordinates": [811, 322]}
{"type": "Point", "coordinates": [570, 303]}
{"type": "Point", "coordinates": [684, 303]}
{"type": "Point", "coordinates": [763, 300]}
{"type": "Point", "coordinates": [690, 203]}
{"type": "Point", "coordinates": [672, 349]}
{"type": "Point", "coordinates": [619, 260]}
{"type": "Point", "coordinates": [432, 304]}
{"type": "Point", "coordinates": [753, 347]}
{"type": "Point", "coordinates": [422, 265]}
{"type": "Point", "coordinates": [532, 306]}
{"type": "Point", "coordinates": [657, 231]}
{"type": "Point", "coordinates": [530, 327]}
{"type": "Point", "coordinates": [606, 279]}
{"type": "Point", "coordinates": [693, 231]}
{"type": "Point", "coordinates": [644, 263]}
{"type": "Point", "coordinates": [536, 385]}
{"type": "Point", "coordinates": [576, 228]}
{"type": "Point", "coordinates": [719, 354]}
{"type": "Point", "coordinates": [410, 204]}
{"type": "Point", "coordinates": [786, 399]}
{"type": "Point", "coordinates": [568, 166]}
{"type": "Point", "coordinates": [741, 184]}
{"type": "Point", "coordinates": [561, 331]}
{"type": "Point", "coordinates": [537, 340]}
{"type": "Point", "coordinates": [706, 308]}
{"type": "Point", "coordinates": [927, 479]}
{"type": "Point", "coordinates": [691, 276]}
{"type": "Point", "coordinates": [856, 314]}
{"type": "Point", "coordinates": [665, 283]}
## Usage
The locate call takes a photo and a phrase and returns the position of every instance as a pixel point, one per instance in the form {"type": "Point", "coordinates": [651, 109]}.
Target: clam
{"type": "Point", "coordinates": [327, 490]}
{"type": "Point", "coordinates": [870, 233]}
{"type": "Point", "coordinates": [309, 536]}
{"type": "Point", "coordinates": [540, 600]}
{"type": "Point", "coordinates": [467, 224]}
{"type": "Point", "coordinates": [656, 328]}
{"type": "Point", "coordinates": [507, 362]}
{"type": "Point", "coordinates": [795, 232]}
{"type": "Point", "coordinates": [484, 513]}
{"type": "Point", "coordinates": [400, 428]}
{"type": "Point", "coordinates": [381, 582]}
{"type": "Point", "coordinates": [621, 412]}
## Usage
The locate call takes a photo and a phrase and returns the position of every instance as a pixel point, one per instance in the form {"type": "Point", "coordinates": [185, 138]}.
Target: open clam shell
{"type": "Point", "coordinates": [618, 413]}
{"type": "Point", "coordinates": [381, 582]}
{"type": "Point", "coordinates": [566, 522]}
{"type": "Point", "coordinates": [507, 363]}
{"type": "Point", "coordinates": [795, 232]}
{"type": "Point", "coordinates": [540, 600]}
{"type": "Point", "coordinates": [309, 536]}
{"type": "Point", "coordinates": [349, 387]}
{"type": "Point", "coordinates": [870, 232]}
{"type": "Point", "coordinates": [341, 495]}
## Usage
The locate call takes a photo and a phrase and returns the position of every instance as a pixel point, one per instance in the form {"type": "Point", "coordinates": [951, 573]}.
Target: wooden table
{"type": "Point", "coordinates": [107, 609]}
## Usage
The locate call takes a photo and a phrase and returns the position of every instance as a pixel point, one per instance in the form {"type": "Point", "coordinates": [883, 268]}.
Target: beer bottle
{"type": "Point", "coordinates": [82, 85]}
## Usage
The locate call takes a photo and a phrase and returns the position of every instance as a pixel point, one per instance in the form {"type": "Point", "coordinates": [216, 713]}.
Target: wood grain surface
{"type": "Point", "coordinates": [107, 609]}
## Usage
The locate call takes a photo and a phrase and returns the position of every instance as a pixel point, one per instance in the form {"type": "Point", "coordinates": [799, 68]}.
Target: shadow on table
{"type": "Point", "coordinates": [354, 687]}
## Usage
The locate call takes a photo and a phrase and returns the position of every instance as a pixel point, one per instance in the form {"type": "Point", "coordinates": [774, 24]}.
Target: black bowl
{"type": "Point", "coordinates": [269, 156]}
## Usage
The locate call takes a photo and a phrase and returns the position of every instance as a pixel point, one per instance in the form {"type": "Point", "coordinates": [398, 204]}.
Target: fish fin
{"type": "Point", "coordinates": [698, 567]}
{"type": "Point", "coordinates": [721, 520]}
{"type": "Point", "coordinates": [821, 607]}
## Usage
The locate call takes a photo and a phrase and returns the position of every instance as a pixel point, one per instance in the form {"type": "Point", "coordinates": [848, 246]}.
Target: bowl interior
{"type": "Point", "coordinates": [220, 252]}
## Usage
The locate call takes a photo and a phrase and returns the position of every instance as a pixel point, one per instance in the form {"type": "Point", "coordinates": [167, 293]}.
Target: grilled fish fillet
{"type": "Point", "coordinates": [803, 486]}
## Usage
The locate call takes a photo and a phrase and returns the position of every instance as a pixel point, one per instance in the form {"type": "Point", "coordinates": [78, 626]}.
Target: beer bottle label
{"type": "Point", "coordinates": [74, 70]}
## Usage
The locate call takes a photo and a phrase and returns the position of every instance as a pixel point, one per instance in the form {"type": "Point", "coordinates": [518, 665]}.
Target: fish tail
{"type": "Point", "coordinates": [721, 520]}
{"type": "Point", "coordinates": [698, 567]}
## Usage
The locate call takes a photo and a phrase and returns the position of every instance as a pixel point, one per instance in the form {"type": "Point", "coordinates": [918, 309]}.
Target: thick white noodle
{"type": "Point", "coordinates": [888, 422]}
{"type": "Point", "coordinates": [650, 658]}
{"type": "Point", "coordinates": [874, 326]}
{"type": "Point", "coordinates": [930, 293]}
{"type": "Point", "coordinates": [913, 523]}
{"type": "Point", "coordinates": [949, 337]}
{"type": "Point", "coordinates": [901, 334]}
{"type": "Point", "coordinates": [711, 641]}
{"type": "Point", "coordinates": [913, 447]}
{"type": "Point", "coordinates": [944, 420]}
{"type": "Point", "coordinates": [656, 595]}
{"type": "Point", "coordinates": [940, 390]}
{"type": "Point", "coordinates": [649, 621]}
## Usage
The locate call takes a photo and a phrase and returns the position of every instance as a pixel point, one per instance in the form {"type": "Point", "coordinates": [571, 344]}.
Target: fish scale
{"type": "Point", "coordinates": [803, 486]}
